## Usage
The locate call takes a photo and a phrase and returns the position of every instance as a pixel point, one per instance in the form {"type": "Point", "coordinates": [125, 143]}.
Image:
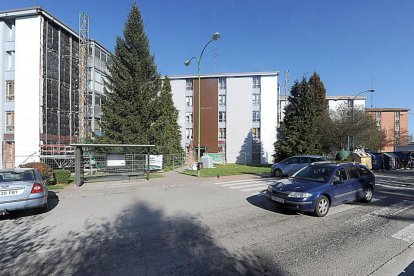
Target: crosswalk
{"type": "Point", "coordinates": [252, 186]}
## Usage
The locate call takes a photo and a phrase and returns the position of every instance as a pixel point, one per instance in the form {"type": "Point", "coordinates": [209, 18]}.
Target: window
{"type": "Point", "coordinates": [256, 99]}
{"type": "Point", "coordinates": [222, 133]}
{"type": "Point", "coordinates": [222, 99]}
{"type": "Point", "coordinates": [256, 116]}
{"type": "Point", "coordinates": [256, 82]}
{"type": "Point", "coordinates": [9, 90]}
{"type": "Point", "coordinates": [222, 83]}
{"type": "Point", "coordinates": [364, 171]}
{"type": "Point", "coordinates": [188, 84]}
{"type": "Point", "coordinates": [305, 159]}
{"type": "Point", "coordinates": [222, 116]}
{"type": "Point", "coordinates": [189, 117]}
{"type": "Point", "coordinates": [189, 133]}
{"type": "Point", "coordinates": [353, 172]}
{"type": "Point", "coordinates": [378, 118]}
{"type": "Point", "coordinates": [350, 103]}
{"type": "Point", "coordinates": [256, 133]}
{"type": "Point", "coordinates": [189, 100]}
{"type": "Point", "coordinates": [97, 53]}
{"type": "Point", "coordinates": [9, 61]}
{"type": "Point", "coordinates": [340, 175]}
{"type": "Point", "coordinates": [10, 121]}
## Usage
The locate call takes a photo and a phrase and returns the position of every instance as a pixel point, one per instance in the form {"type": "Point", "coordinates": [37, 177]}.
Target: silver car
{"type": "Point", "coordinates": [293, 164]}
{"type": "Point", "coordinates": [22, 189]}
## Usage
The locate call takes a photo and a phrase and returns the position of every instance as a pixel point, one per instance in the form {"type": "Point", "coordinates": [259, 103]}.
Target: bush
{"type": "Point", "coordinates": [62, 176]}
{"type": "Point", "coordinates": [44, 169]}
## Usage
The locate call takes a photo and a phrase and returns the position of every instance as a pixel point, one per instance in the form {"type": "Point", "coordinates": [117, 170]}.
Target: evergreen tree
{"type": "Point", "coordinates": [165, 132]}
{"type": "Point", "coordinates": [131, 104]}
{"type": "Point", "coordinates": [299, 132]}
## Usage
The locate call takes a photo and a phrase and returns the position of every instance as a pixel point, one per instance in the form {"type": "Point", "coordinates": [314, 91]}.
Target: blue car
{"type": "Point", "coordinates": [317, 187]}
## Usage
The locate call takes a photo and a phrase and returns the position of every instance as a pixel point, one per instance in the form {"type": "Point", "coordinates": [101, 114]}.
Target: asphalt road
{"type": "Point", "coordinates": [184, 226]}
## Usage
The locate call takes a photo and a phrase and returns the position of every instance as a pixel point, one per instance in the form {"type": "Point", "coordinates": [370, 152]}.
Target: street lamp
{"type": "Point", "coordinates": [215, 36]}
{"type": "Point", "coordinates": [351, 138]}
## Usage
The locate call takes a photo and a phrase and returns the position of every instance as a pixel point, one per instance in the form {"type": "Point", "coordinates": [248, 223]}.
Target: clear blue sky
{"type": "Point", "coordinates": [351, 44]}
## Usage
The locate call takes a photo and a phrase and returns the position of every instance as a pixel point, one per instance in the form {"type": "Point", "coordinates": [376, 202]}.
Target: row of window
{"type": "Point", "coordinates": [222, 133]}
{"type": "Point", "coordinates": [223, 83]}
{"type": "Point", "coordinates": [222, 100]}
{"type": "Point", "coordinates": [221, 117]}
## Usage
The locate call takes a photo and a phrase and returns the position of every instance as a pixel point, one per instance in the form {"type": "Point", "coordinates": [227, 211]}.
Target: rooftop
{"type": "Point", "coordinates": [222, 75]}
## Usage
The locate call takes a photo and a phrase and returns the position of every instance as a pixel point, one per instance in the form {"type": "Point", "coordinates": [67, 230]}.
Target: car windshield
{"type": "Point", "coordinates": [9, 176]}
{"type": "Point", "coordinates": [315, 173]}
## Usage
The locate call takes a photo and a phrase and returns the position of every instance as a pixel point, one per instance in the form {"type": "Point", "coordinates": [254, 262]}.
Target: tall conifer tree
{"type": "Point", "coordinates": [131, 106]}
{"type": "Point", "coordinates": [299, 132]}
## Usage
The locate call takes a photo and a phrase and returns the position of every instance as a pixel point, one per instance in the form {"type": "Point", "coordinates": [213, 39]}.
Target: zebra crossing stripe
{"type": "Point", "coordinates": [406, 234]}
{"type": "Point", "coordinates": [254, 189]}
{"type": "Point", "coordinates": [241, 182]}
{"type": "Point", "coordinates": [249, 185]}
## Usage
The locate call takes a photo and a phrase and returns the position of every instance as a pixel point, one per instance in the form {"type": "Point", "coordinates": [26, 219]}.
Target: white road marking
{"type": "Point", "coordinates": [254, 189]}
{"type": "Point", "coordinates": [346, 207]}
{"type": "Point", "coordinates": [406, 234]}
{"type": "Point", "coordinates": [388, 212]}
{"type": "Point", "coordinates": [249, 185]}
{"type": "Point", "coordinates": [224, 184]}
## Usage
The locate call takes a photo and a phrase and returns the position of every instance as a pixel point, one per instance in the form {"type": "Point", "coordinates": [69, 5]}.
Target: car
{"type": "Point", "coordinates": [318, 187]}
{"type": "Point", "coordinates": [293, 164]}
{"type": "Point", "coordinates": [22, 189]}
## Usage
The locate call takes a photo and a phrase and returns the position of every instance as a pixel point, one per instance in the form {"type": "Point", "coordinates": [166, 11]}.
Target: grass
{"type": "Point", "coordinates": [155, 175]}
{"type": "Point", "coordinates": [57, 187]}
{"type": "Point", "coordinates": [230, 169]}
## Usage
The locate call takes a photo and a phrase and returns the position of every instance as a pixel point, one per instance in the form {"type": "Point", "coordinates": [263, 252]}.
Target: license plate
{"type": "Point", "coordinates": [11, 192]}
{"type": "Point", "coordinates": [277, 199]}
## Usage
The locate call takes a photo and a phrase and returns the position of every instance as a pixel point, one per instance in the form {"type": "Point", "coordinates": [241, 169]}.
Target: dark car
{"type": "Point", "coordinates": [319, 186]}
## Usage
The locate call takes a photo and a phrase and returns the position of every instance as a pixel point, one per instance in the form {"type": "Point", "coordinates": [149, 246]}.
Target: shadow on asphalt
{"type": "Point", "coordinates": [261, 201]}
{"type": "Point", "coordinates": [141, 240]}
{"type": "Point", "coordinates": [53, 201]}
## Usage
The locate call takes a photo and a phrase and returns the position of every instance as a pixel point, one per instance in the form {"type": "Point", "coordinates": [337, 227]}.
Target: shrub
{"type": "Point", "coordinates": [44, 169]}
{"type": "Point", "coordinates": [62, 176]}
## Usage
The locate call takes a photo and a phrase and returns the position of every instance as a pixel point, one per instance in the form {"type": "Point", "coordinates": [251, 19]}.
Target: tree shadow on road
{"type": "Point", "coordinates": [141, 241]}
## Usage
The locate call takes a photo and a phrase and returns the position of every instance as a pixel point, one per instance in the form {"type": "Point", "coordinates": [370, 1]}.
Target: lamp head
{"type": "Point", "coordinates": [216, 36]}
{"type": "Point", "coordinates": [187, 62]}
{"type": "Point", "coordinates": [372, 90]}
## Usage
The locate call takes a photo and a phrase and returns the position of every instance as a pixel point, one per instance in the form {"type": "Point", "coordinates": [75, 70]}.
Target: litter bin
{"type": "Point", "coordinates": [377, 160]}
{"type": "Point", "coordinates": [390, 162]}
{"type": "Point", "coordinates": [363, 158]}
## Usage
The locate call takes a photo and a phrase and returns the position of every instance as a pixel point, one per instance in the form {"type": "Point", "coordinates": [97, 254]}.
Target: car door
{"type": "Point", "coordinates": [365, 178]}
{"type": "Point", "coordinates": [291, 166]}
{"type": "Point", "coordinates": [342, 186]}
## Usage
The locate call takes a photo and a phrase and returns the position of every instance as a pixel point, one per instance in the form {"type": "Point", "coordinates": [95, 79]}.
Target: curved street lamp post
{"type": "Point", "coordinates": [215, 37]}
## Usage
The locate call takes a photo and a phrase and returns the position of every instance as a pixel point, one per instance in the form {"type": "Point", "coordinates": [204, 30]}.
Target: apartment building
{"type": "Point", "coordinates": [40, 91]}
{"type": "Point", "coordinates": [238, 114]}
{"type": "Point", "coordinates": [394, 122]}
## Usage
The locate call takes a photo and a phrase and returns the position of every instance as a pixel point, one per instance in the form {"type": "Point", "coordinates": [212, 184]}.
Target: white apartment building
{"type": "Point", "coordinates": [40, 92]}
{"type": "Point", "coordinates": [238, 114]}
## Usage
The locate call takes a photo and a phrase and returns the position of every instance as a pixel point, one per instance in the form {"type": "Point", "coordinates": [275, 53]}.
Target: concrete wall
{"type": "Point", "coordinates": [27, 87]}
{"type": "Point", "coordinates": [178, 89]}
{"type": "Point", "coordinates": [239, 120]}
{"type": "Point", "coordinates": [268, 118]}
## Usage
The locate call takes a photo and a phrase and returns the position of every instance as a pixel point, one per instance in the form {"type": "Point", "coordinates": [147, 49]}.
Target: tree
{"type": "Point", "coordinates": [131, 105]}
{"type": "Point", "coordinates": [355, 122]}
{"type": "Point", "coordinates": [165, 132]}
{"type": "Point", "coordinates": [299, 132]}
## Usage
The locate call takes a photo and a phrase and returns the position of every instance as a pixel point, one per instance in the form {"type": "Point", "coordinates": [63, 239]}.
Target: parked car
{"type": "Point", "coordinates": [22, 189]}
{"type": "Point", "coordinates": [317, 187]}
{"type": "Point", "coordinates": [293, 164]}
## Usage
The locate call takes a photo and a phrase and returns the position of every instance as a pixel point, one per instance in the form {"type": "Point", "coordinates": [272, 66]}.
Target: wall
{"type": "Point", "coordinates": [27, 87]}
{"type": "Point", "coordinates": [178, 96]}
{"type": "Point", "coordinates": [268, 118]}
{"type": "Point", "coordinates": [239, 120]}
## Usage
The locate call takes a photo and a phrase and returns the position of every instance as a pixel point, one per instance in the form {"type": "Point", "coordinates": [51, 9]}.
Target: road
{"type": "Point", "coordinates": [181, 226]}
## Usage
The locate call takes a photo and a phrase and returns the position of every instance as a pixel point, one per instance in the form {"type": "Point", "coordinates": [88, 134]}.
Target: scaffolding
{"type": "Point", "coordinates": [83, 74]}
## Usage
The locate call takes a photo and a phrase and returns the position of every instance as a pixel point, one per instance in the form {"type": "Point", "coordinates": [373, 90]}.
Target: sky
{"type": "Point", "coordinates": [353, 45]}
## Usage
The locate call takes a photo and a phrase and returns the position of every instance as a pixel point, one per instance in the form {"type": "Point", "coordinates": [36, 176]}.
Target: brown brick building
{"type": "Point", "coordinates": [394, 121]}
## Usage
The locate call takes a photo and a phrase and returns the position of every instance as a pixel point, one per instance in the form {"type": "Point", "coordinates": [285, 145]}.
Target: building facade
{"type": "Point", "coordinates": [40, 91]}
{"type": "Point", "coordinates": [238, 114]}
{"type": "Point", "coordinates": [394, 122]}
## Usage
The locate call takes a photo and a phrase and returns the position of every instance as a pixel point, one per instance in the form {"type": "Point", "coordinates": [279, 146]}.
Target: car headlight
{"type": "Point", "coordinates": [299, 195]}
{"type": "Point", "coordinates": [269, 188]}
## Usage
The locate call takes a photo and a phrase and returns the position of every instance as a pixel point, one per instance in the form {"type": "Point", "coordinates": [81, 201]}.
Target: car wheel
{"type": "Point", "coordinates": [322, 206]}
{"type": "Point", "coordinates": [368, 195]}
{"type": "Point", "coordinates": [278, 173]}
